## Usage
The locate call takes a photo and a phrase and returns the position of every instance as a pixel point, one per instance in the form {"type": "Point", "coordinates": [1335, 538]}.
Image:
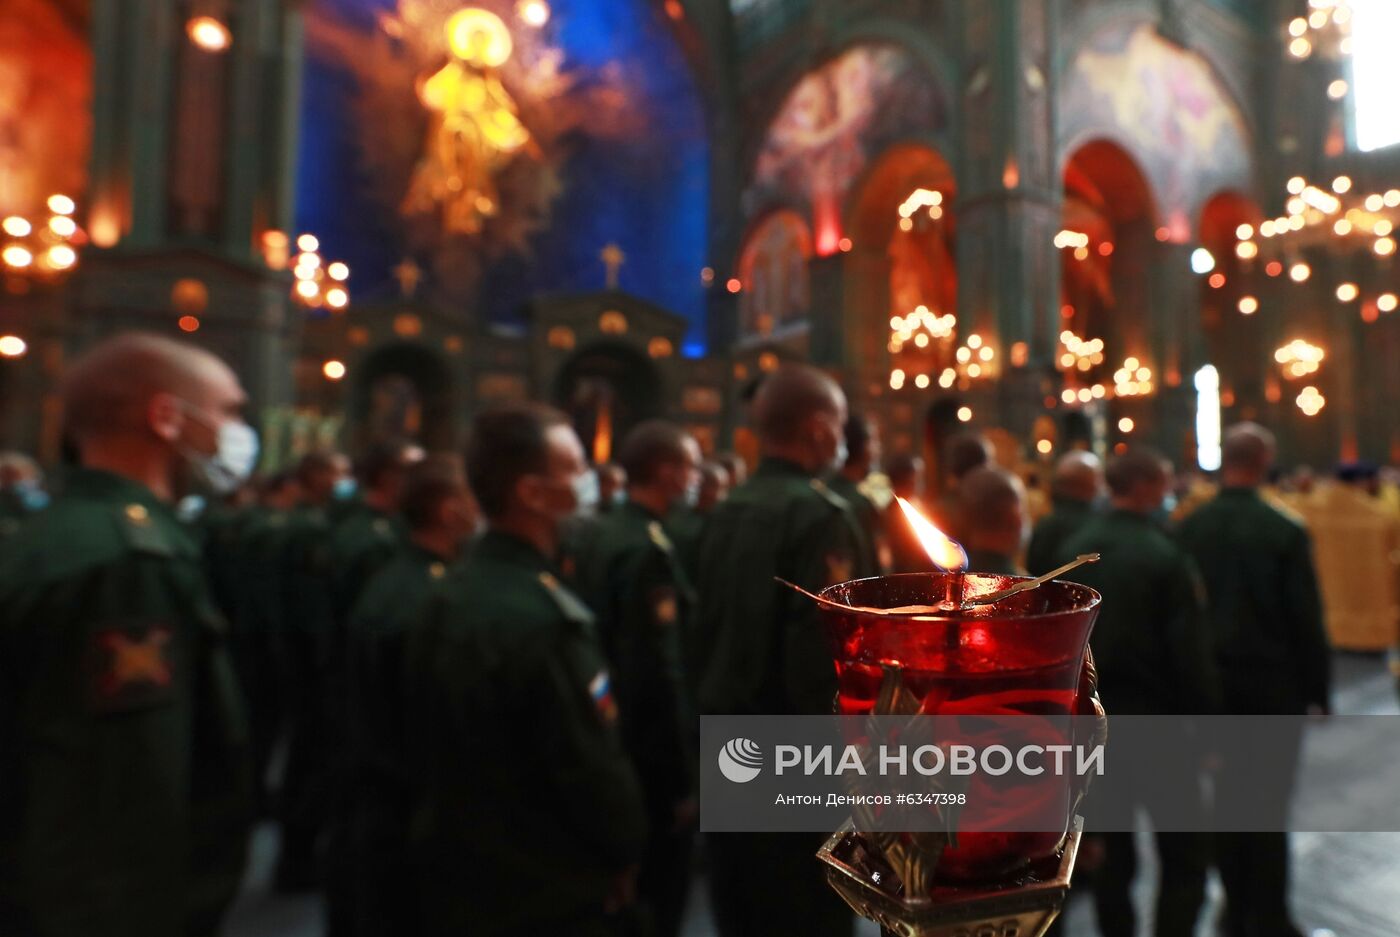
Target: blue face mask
{"type": "Point", "coordinates": [344, 488]}
{"type": "Point", "coordinates": [1163, 514]}
{"type": "Point", "coordinates": [31, 496]}
{"type": "Point", "coordinates": [190, 508]}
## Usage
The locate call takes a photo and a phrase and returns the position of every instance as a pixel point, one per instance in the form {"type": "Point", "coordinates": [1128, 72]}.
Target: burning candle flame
{"type": "Point", "coordinates": [946, 553]}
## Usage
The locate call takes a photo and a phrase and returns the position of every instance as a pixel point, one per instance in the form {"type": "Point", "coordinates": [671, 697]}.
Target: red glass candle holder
{"type": "Point", "coordinates": [1022, 656]}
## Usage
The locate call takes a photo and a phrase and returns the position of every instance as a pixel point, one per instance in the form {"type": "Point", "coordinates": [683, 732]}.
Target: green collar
{"type": "Point", "coordinates": [508, 548]}
{"type": "Point", "coordinates": [1062, 503]}
{"type": "Point", "coordinates": [638, 511]}
{"type": "Point", "coordinates": [780, 468]}
{"type": "Point", "coordinates": [148, 522]}
{"type": "Point", "coordinates": [118, 489]}
{"type": "Point", "coordinates": [1131, 517]}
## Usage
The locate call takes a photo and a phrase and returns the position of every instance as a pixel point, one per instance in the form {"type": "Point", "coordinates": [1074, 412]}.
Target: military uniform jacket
{"type": "Point", "coordinates": [377, 632]}
{"type": "Point", "coordinates": [360, 545]}
{"type": "Point", "coordinates": [124, 792]}
{"type": "Point", "coordinates": [1265, 609]}
{"type": "Point", "coordinates": [1067, 518]}
{"type": "Point", "coordinates": [644, 604]}
{"type": "Point", "coordinates": [685, 526]}
{"type": "Point", "coordinates": [762, 647]}
{"type": "Point", "coordinates": [1151, 642]}
{"type": "Point", "coordinates": [528, 808]}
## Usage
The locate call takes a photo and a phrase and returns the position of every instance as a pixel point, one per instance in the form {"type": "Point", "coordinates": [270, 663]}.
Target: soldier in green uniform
{"type": "Point", "coordinates": [1154, 656]}
{"type": "Point", "coordinates": [636, 585]}
{"type": "Point", "coordinates": [365, 535]}
{"type": "Point", "coordinates": [862, 457]}
{"type": "Point", "coordinates": [251, 569]}
{"type": "Point", "coordinates": [1075, 486]}
{"type": "Point", "coordinates": [612, 486]}
{"type": "Point", "coordinates": [1265, 617]}
{"type": "Point", "coordinates": [304, 583]}
{"type": "Point", "coordinates": [369, 533]}
{"type": "Point", "coordinates": [529, 818]}
{"type": "Point", "coordinates": [686, 523]}
{"type": "Point", "coordinates": [762, 648]}
{"type": "Point", "coordinates": [377, 896]}
{"type": "Point", "coordinates": [993, 507]}
{"type": "Point", "coordinates": [124, 796]}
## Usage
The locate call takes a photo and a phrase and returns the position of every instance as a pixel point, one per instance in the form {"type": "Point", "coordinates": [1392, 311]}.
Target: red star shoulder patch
{"type": "Point", "coordinates": [132, 667]}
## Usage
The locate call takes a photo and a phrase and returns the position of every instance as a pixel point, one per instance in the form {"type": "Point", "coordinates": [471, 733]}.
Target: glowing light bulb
{"type": "Point", "coordinates": [533, 12]}
{"type": "Point", "coordinates": [208, 33]}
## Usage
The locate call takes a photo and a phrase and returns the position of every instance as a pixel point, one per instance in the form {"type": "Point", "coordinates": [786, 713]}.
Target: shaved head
{"type": "Point", "coordinates": [109, 390]}
{"type": "Point", "coordinates": [1138, 479]}
{"type": "Point", "coordinates": [1078, 476]}
{"type": "Point", "coordinates": [1248, 451]}
{"type": "Point", "coordinates": [790, 397]}
{"type": "Point", "coordinates": [992, 502]}
{"type": "Point", "coordinates": [966, 452]}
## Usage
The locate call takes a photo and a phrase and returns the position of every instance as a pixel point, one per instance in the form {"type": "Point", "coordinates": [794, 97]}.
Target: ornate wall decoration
{"type": "Point", "coordinates": [1167, 108]}
{"type": "Point", "coordinates": [834, 122]}
{"type": "Point", "coordinates": [773, 270]}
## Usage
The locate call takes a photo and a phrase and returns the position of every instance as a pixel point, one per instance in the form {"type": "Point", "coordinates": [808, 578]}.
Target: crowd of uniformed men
{"type": "Point", "coordinates": [466, 686]}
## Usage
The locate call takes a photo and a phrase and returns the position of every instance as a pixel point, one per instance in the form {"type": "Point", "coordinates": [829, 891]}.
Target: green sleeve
{"type": "Point", "coordinates": [1307, 634]}
{"type": "Point", "coordinates": [826, 552]}
{"type": "Point", "coordinates": [1189, 640]}
{"type": "Point", "coordinates": [596, 790]}
{"type": "Point", "coordinates": [646, 665]}
{"type": "Point", "coordinates": [127, 828]}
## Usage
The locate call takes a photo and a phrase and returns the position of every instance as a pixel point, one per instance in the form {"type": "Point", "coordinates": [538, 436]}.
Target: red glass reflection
{"type": "Point", "coordinates": [1022, 656]}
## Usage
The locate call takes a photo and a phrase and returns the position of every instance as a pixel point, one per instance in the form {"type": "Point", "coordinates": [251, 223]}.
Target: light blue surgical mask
{"type": "Point", "coordinates": [190, 508]}
{"type": "Point", "coordinates": [344, 488]}
{"type": "Point", "coordinates": [1163, 514]}
{"type": "Point", "coordinates": [586, 491]}
{"type": "Point", "coordinates": [231, 463]}
{"type": "Point", "coordinates": [31, 495]}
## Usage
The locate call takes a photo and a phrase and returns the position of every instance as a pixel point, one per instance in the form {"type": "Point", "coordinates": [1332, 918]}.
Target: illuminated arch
{"type": "Point", "coordinates": [773, 272]}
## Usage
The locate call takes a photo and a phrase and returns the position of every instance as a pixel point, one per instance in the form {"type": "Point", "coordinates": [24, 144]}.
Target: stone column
{"type": "Point", "coordinates": [1009, 197]}
{"type": "Point", "coordinates": [1177, 348]}
{"type": "Point", "coordinates": [193, 153]}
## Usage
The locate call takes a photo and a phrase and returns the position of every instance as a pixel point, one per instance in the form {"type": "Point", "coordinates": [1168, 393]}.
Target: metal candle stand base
{"type": "Point", "coordinates": [1025, 910]}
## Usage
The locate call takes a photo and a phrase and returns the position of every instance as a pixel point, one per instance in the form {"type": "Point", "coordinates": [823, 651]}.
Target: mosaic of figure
{"type": "Point", "coordinates": [773, 269]}
{"type": "Point", "coordinates": [1167, 107]}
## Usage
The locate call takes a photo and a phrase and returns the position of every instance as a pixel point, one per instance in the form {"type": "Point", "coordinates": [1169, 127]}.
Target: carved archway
{"type": "Point", "coordinates": [403, 389]}
{"type": "Point", "coordinates": [606, 389]}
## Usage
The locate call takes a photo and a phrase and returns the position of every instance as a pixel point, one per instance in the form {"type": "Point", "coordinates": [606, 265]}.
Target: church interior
{"type": "Point", "coordinates": [1067, 224]}
{"type": "Point", "coordinates": [1070, 223]}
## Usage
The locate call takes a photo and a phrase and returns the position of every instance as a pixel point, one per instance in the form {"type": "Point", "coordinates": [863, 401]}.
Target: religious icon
{"type": "Point", "coordinates": [475, 129]}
